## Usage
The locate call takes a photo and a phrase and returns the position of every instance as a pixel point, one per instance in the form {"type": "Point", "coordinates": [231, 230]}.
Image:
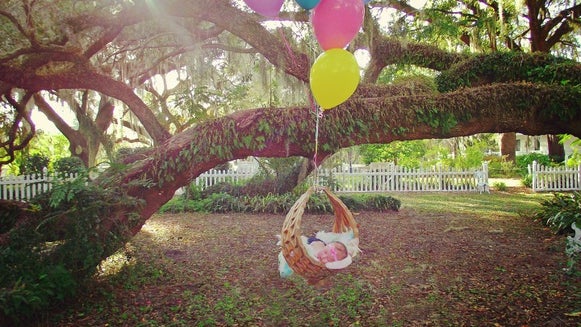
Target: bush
{"type": "Point", "coordinates": [527, 181]}
{"type": "Point", "coordinates": [192, 192]}
{"type": "Point", "coordinates": [318, 203]}
{"type": "Point", "coordinates": [382, 203]}
{"type": "Point", "coordinates": [499, 186]}
{"type": "Point", "coordinates": [353, 203]}
{"type": "Point", "coordinates": [57, 247]}
{"type": "Point", "coordinates": [561, 211]}
{"type": "Point", "coordinates": [277, 204]}
{"type": "Point", "coordinates": [68, 166]}
{"type": "Point", "coordinates": [177, 205]}
{"type": "Point", "coordinates": [523, 162]}
{"type": "Point", "coordinates": [498, 167]}
{"type": "Point", "coordinates": [34, 164]}
{"type": "Point", "coordinates": [35, 290]}
{"type": "Point", "coordinates": [222, 202]}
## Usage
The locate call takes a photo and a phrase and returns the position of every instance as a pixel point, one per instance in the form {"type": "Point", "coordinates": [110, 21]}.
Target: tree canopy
{"type": "Point", "coordinates": [205, 82]}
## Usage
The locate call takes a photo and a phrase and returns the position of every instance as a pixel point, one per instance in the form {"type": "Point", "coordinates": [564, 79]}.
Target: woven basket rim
{"type": "Point", "coordinates": [293, 248]}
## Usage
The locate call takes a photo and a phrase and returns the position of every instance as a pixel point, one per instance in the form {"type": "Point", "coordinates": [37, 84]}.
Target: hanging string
{"type": "Point", "coordinates": [318, 115]}
{"type": "Point", "coordinates": [316, 109]}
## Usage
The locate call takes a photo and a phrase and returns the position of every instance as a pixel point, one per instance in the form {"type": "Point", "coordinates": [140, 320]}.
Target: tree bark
{"type": "Point", "coordinates": [508, 146]}
{"type": "Point", "coordinates": [556, 149]}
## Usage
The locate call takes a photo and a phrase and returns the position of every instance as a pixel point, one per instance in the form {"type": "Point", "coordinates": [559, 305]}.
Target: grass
{"type": "Point", "coordinates": [442, 260]}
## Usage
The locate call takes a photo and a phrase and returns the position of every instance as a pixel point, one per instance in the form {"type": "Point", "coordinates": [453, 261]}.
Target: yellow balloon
{"type": "Point", "coordinates": [334, 77]}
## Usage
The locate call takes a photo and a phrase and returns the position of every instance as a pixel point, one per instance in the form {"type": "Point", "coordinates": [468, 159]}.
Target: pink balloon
{"type": "Point", "coordinates": [336, 22]}
{"type": "Point", "coordinates": [268, 8]}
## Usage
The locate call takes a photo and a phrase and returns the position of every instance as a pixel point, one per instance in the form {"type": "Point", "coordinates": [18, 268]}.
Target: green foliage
{"type": "Point", "coordinates": [68, 166]}
{"type": "Point", "coordinates": [222, 202]}
{"type": "Point", "coordinates": [192, 192]}
{"type": "Point", "coordinates": [43, 144]}
{"type": "Point", "coordinates": [406, 154]}
{"type": "Point", "coordinates": [35, 164]}
{"type": "Point", "coordinates": [318, 203]}
{"type": "Point", "coordinates": [59, 245]}
{"type": "Point", "coordinates": [382, 203]}
{"type": "Point", "coordinates": [575, 157]}
{"type": "Point", "coordinates": [523, 161]}
{"type": "Point", "coordinates": [354, 203]}
{"type": "Point", "coordinates": [35, 290]}
{"type": "Point", "coordinates": [499, 167]}
{"type": "Point", "coordinates": [466, 152]}
{"type": "Point", "coordinates": [499, 186]}
{"type": "Point", "coordinates": [509, 66]}
{"type": "Point", "coordinates": [561, 211]}
{"type": "Point", "coordinates": [527, 181]}
{"type": "Point", "coordinates": [472, 157]}
{"type": "Point", "coordinates": [181, 204]}
{"type": "Point", "coordinates": [277, 204]}
{"type": "Point", "coordinates": [436, 118]}
{"type": "Point", "coordinates": [10, 211]}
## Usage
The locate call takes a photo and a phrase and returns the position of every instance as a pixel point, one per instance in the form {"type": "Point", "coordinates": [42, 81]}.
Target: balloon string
{"type": "Point", "coordinates": [318, 116]}
{"type": "Point", "coordinates": [317, 110]}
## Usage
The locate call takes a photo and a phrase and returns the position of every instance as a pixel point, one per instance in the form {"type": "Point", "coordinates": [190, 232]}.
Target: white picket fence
{"type": "Point", "coordinates": [391, 178]}
{"type": "Point", "coordinates": [25, 187]}
{"type": "Point", "coordinates": [212, 177]}
{"type": "Point", "coordinates": [374, 178]}
{"type": "Point", "coordinates": [555, 178]}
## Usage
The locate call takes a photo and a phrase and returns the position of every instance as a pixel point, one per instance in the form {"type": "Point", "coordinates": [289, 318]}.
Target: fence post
{"type": "Point", "coordinates": [485, 171]}
{"type": "Point", "coordinates": [440, 177]}
{"type": "Point", "coordinates": [579, 176]}
{"type": "Point", "coordinates": [533, 172]}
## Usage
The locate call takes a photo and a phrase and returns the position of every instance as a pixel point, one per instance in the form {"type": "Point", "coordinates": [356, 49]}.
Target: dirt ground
{"type": "Point", "coordinates": [418, 268]}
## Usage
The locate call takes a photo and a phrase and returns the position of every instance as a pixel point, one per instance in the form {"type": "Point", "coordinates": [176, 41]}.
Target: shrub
{"type": "Point", "coordinates": [498, 167]}
{"type": "Point", "coordinates": [523, 162]}
{"type": "Point", "coordinates": [561, 211]}
{"type": "Point", "coordinates": [222, 202]}
{"type": "Point", "coordinates": [499, 186]}
{"type": "Point", "coordinates": [68, 166]}
{"type": "Point", "coordinates": [352, 202]}
{"type": "Point", "coordinates": [276, 204]}
{"type": "Point", "coordinates": [58, 247]}
{"type": "Point", "coordinates": [527, 181]}
{"type": "Point", "coordinates": [382, 203]}
{"type": "Point", "coordinates": [192, 192]}
{"type": "Point", "coordinates": [177, 205]}
{"type": "Point", "coordinates": [225, 188]}
{"type": "Point", "coordinates": [318, 203]}
{"type": "Point", "coordinates": [35, 164]}
{"type": "Point", "coordinates": [35, 290]}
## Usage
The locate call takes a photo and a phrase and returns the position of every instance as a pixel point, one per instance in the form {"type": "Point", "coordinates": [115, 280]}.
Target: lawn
{"type": "Point", "coordinates": [443, 260]}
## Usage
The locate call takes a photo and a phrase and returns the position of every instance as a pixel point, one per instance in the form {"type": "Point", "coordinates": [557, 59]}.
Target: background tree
{"type": "Point", "coordinates": [119, 50]}
{"type": "Point", "coordinates": [409, 152]}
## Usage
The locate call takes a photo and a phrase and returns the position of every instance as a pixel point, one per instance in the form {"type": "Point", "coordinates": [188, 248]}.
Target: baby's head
{"type": "Point", "coordinates": [334, 251]}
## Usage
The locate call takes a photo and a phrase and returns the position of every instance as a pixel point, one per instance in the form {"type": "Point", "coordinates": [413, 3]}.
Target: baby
{"type": "Point", "coordinates": [325, 253]}
{"type": "Point", "coordinates": [325, 248]}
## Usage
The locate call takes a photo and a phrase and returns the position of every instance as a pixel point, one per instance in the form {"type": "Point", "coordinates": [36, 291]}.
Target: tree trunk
{"type": "Point", "coordinates": [556, 149]}
{"type": "Point", "coordinates": [508, 146]}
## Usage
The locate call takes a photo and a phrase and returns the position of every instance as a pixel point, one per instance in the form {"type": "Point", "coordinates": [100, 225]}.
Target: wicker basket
{"type": "Point", "coordinates": [293, 248]}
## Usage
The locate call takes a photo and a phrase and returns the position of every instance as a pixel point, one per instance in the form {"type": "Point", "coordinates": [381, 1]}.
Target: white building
{"type": "Point", "coordinates": [526, 144]}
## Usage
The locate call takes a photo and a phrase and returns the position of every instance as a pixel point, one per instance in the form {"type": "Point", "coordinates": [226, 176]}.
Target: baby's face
{"type": "Point", "coordinates": [331, 253]}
